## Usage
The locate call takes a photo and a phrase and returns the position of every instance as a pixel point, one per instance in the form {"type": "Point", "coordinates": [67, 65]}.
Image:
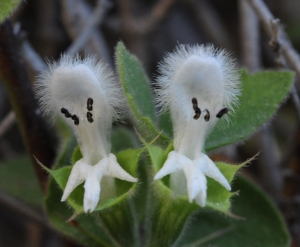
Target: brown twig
{"type": "Point", "coordinates": [7, 123]}
{"type": "Point", "coordinates": [89, 27]}
{"type": "Point", "coordinates": [135, 31]}
{"type": "Point", "coordinates": [18, 86]}
{"type": "Point", "coordinates": [275, 43]}
{"type": "Point", "coordinates": [157, 14]}
{"type": "Point", "coordinates": [250, 40]}
{"type": "Point", "coordinates": [74, 15]}
{"type": "Point", "coordinates": [265, 16]}
{"type": "Point", "coordinates": [32, 58]}
{"type": "Point", "coordinates": [269, 169]}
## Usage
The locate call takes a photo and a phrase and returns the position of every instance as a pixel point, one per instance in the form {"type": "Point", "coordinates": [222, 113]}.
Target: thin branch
{"type": "Point", "coordinates": [157, 14]}
{"type": "Point", "coordinates": [249, 30]}
{"type": "Point", "coordinates": [288, 50]}
{"type": "Point", "coordinates": [7, 123]}
{"type": "Point", "coordinates": [136, 31]}
{"type": "Point", "coordinates": [32, 58]}
{"type": "Point", "coordinates": [74, 15]}
{"type": "Point", "coordinates": [296, 100]}
{"type": "Point", "coordinates": [31, 124]}
{"type": "Point", "coordinates": [269, 171]}
{"type": "Point", "coordinates": [275, 44]}
{"type": "Point", "coordinates": [90, 26]}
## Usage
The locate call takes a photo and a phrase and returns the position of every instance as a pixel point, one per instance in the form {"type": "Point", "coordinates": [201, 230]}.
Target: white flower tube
{"type": "Point", "coordinates": [199, 85]}
{"type": "Point", "coordinates": [85, 94]}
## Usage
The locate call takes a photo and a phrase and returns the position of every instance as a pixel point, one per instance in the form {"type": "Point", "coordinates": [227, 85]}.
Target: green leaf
{"type": "Point", "coordinates": [18, 178]}
{"type": "Point", "coordinates": [123, 138]}
{"type": "Point", "coordinates": [7, 7]}
{"type": "Point", "coordinates": [87, 229]}
{"type": "Point", "coordinates": [262, 94]}
{"type": "Point", "coordinates": [165, 124]}
{"type": "Point", "coordinates": [172, 209]}
{"type": "Point", "coordinates": [262, 224]}
{"type": "Point", "coordinates": [138, 93]}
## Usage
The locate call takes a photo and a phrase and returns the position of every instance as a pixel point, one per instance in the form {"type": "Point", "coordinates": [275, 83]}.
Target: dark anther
{"type": "Point", "coordinates": [90, 104]}
{"type": "Point", "coordinates": [197, 113]}
{"type": "Point", "coordinates": [222, 112]}
{"type": "Point", "coordinates": [195, 103]}
{"type": "Point", "coordinates": [66, 112]}
{"type": "Point", "coordinates": [76, 119]}
{"type": "Point", "coordinates": [207, 115]}
{"type": "Point", "coordinates": [196, 108]}
{"type": "Point", "coordinates": [89, 117]}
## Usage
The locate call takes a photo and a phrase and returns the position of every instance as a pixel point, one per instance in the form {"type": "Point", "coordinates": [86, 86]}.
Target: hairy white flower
{"type": "Point", "coordinates": [85, 94]}
{"type": "Point", "coordinates": [199, 84]}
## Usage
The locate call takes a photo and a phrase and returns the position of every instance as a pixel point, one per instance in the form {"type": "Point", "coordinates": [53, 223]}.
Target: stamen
{"type": "Point", "coordinates": [76, 119]}
{"type": "Point", "coordinates": [89, 117]}
{"type": "Point", "coordinates": [196, 108]}
{"type": "Point", "coordinates": [90, 104]}
{"type": "Point", "coordinates": [207, 115]}
{"type": "Point", "coordinates": [222, 112]}
{"type": "Point", "coordinates": [66, 112]}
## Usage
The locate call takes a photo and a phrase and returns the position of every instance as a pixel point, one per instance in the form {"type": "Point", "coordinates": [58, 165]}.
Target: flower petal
{"type": "Point", "coordinates": [78, 175]}
{"type": "Point", "coordinates": [173, 163]}
{"type": "Point", "coordinates": [208, 167]}
{"type": "Point", "coordinates": [91, 190]}
{"type": "Point", "coordinates": [196, 183]}
{"type": "Point", "coordinates": [113, 169]}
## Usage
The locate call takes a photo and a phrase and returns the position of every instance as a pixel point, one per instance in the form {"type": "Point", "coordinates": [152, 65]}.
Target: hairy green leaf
{"type": "Point", "coordinates": [138, 93]}
{"type": "Point", "coordinates": [7, 7]}
{"type": "Point", "coordinates": [262, 94]}
{"type": "Point", "coordinates": [261, 225]}
{"type": "Point", "coordinates": [123, 138]}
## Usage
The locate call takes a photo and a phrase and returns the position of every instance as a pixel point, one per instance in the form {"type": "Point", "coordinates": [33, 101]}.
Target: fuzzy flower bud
{"type": "Point", "coordinates": [85, 94]}
{"type": "Point", "coordinates": [199, 85]}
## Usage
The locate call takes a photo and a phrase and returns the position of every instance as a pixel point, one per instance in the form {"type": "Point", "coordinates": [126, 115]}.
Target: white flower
{"type": "Point", "coordinates": [199, 85]}
{"type": "Point", "coordinates": [85, 94]}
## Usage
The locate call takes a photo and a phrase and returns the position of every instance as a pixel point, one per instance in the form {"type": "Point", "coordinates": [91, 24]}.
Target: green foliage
{"type": "Point", "coordinates": [148, 213]}
{"type": "Point", "coordinates": [7, 7]}
{"type": "Point", "coordinates": [137, 90]}
{"type": "Point", "coordinates": [123, 138]}
{"type": "Point", "coordinates": [18, 178]}
{"type": "Point", "coordinates": [260, 225]}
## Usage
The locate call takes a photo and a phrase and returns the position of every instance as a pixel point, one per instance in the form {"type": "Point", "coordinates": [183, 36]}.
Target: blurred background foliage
{"type": "Point", "coordinates": [46, 28]}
